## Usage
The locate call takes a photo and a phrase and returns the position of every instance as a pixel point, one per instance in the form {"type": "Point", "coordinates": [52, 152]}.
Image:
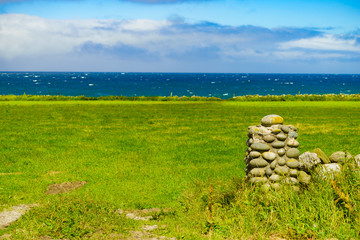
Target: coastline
{"type": "Point", "coordinates": [245, 98]}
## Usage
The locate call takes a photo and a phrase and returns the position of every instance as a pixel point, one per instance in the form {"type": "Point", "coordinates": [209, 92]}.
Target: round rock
{"type": "Point", "coordinates": [269, 138]}
{"type": "Point", "coordinates": [276, 186]}
{"type": "Point", "coordinates": [258, 180]}
{"type": "Point", "coordinates": [257, 172]}
{"type": "Point", "coordinates": [292, 180]}
{"type": "Point", "coordinates": [258, 162]}
{"type": "Point", "coordinates": [285, 128]}
{"type": "Point", "coordinates": [281, 161]}
{"type": "Point", "coordinates": [340, 157]}
{"type": "Point", "coordinates": [270, 156]}
{"type": "Point", "coordinates": [273, 165]}
{"type": "Point", "coordinates": [276, 131]}
{"type": "Point", "coordinates": [293, 153]}
{"type": "Point", "coordinates": [274, 178]}
{"type": "Point", "coordinates": [260, 147]}
{"type": "Point", "coordinates": [282, 170]}
{"type": "Point", "coordinates": [272, 119]}
{"type": "Point", "coordinates": [293, 172]}
{"type": "Point", "coordinates": [281, 152]}
{"type": "Point", "coordinates": [281, 137]}
{"type": "Point", "coordinates": [268, 171]}
{"type": "Point", "coordinates": [278, 144]}
{"type": "Point", "coordinates": [293, 143]}
{"type": "Point", "coordinates": [254, 154]}
{"type": "Point", "coordinates": [303, 177]}
{"type": "Point", "coordinates": [293, 134]}
{"type": "Point", "coordinates": [292, 163]}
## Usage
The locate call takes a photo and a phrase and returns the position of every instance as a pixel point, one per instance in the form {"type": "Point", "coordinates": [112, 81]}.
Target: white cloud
{"type": "Point", "coordinates": [23, 35]}
{"type": "Point", "coordinates": [28, 40]}
{"type": "Point", "coordinates": [327, 42]}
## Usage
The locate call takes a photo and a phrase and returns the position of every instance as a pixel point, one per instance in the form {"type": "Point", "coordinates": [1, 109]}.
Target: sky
{"type": "Point", "coordinates": [247, 36]}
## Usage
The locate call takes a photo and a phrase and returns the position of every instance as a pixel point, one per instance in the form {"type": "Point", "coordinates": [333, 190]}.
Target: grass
{"type": "Point", "coordinates": [137, 155]}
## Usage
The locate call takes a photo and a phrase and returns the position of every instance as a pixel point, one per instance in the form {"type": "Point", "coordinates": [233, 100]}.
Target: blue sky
{"type": "Point", "coordinates": [180, 36]}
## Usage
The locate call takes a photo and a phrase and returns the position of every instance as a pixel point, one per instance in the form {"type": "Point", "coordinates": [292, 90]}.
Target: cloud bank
{"type": "Point", "coordinates": [34, 43]}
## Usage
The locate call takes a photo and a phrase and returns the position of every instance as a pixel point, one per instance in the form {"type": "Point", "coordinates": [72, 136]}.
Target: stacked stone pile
{"type": "Point", "coordinates": [272, 156]}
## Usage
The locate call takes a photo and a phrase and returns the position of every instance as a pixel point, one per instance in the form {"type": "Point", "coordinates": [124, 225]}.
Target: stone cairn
{"type": "Point", "coordinates": [272, 156]}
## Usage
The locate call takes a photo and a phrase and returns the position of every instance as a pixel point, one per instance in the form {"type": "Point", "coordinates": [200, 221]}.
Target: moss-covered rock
{"type": "Point", "coordinates": [303, 177]}
{"type": "Point", "coordinates": [324, 159]}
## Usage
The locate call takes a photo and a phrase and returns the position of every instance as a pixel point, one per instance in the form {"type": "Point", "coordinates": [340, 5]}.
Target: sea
{"type": "Point", "coordinates": [222, 85]}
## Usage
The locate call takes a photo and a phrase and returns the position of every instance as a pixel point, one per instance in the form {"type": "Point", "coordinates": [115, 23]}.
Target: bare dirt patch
{"type": "Point", "coordinates": [11, 173]}
{"type": "Point", "coordinates": [146, 231]}
{"type": "Point", "coordinates": [52, 173]}
{"type": "Point", "coordinates": [140, 215]}
{"type": "Point", "coordinates": [9, 216]}
{"type": "Point", "coordinates": [64, 187]}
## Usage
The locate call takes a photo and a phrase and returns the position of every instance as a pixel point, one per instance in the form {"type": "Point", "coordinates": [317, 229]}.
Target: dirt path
{"type": "Point", "coordinates": [9, 216]}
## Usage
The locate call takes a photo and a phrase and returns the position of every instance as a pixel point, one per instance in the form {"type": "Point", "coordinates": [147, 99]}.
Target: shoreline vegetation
{"type": "Point", "coordinates": [245, 98]}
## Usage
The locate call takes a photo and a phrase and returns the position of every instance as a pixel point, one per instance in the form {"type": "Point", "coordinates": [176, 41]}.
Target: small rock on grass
{"type": "Point", "coordinates": [340, 156]}
{"type": "Point", "coordinates": [310, 160]}
{"type": "Point", "coordinates": [329, 170]}
{"type": "Point", "coordinates": [357, 159]}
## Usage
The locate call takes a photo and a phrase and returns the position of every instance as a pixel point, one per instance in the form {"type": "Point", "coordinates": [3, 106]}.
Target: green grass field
{"type": "Point", "coordinates": [137, 155]}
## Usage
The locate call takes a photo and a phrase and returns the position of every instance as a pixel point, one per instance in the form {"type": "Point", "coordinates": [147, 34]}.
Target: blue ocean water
{"type": "Point", "coordinates": [223, 85]}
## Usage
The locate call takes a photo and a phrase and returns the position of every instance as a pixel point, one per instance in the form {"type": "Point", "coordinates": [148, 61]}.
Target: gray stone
{"type": "Point", "coordinates": [281, 161]}
{"type": "Point", "coordinates": [272, 119]}
{"type": "Point", "coordinates": [285, 128]}
{"type": "Point", "coordinates": [291, 180]}
{"type": "Point", "coordinates": [265, 187]}
{"type": "Point", "coordinates": [332, 167]}
{"type": "Point", "coordinates": [249, 142]}
{"type": "Point", "coordinates": [276, 186]}
{"type": "Point", "coordinates": [357, 159]}
{"type": "Point", "coordinates": [329, 170]}
{"type": "Point", "coordinates": [257, 172]}
{"type": "Point", "coordinates": [292, 163]}
{"type": "Point", "coordinates": [276, 130]}
{"type": "Point", "coordinates": [270, 156]}
{"type": "Point", "coordinates": [258, 162]}
{"type": "Point", "coordinates": [340, 157]}
{"type": "Point", "coordinates": [262, 130]}
{"type": "Point", "coordinates": [268, 171]}
{"type": "Point", "coordinates": [310, 160]}
{"type": "Point", "coordinates": [292, 153]}
{"type": "Point", "coordinates": [274, 178]}
{"type": "Point", "coordinates": [281, 170]}
{"type": "Point", "coordinates": [254, 154]}
{"type": "Point", "coordinates": [281, 152]}
{"type": "Point", "coordinates": [292, 143]}
{"type": "Point", "coordinates": [292, 134]}
{"type": "Point", "coordinates": [278, 144]}
{"type": "Point", "coordinates": [273, 165]}
{"type": "Point", "coordinates": [303, 177]}
{"type": "Point", "coordinates": [260, 147]}
{"type": "Point", "coordinates": [281, 137]}
{"type": "Point", "coordinates": [293, 172]}
{"type": "Point", "coordinates": [258, 180]}
{"type": "Point", "coordinates": [294, 128]}
{"type": "Point", "coordinates": [269, 138]}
